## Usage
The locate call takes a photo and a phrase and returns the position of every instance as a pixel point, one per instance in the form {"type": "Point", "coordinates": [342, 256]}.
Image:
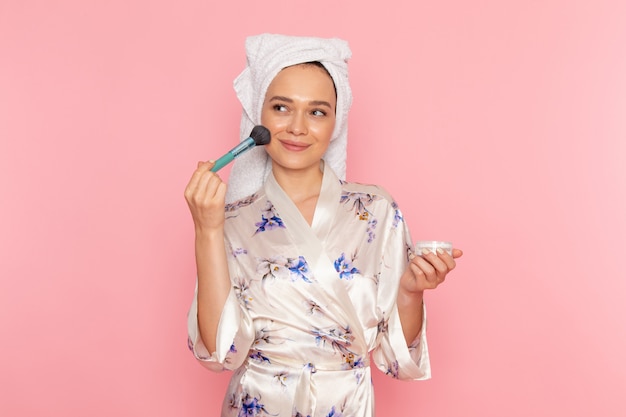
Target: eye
{"type": "Point", "coordinates": [279, 107]}
{"type": "Point", "coordinates": [318, 112]}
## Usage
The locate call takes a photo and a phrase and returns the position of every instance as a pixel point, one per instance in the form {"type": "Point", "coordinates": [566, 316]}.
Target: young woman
{"type": "Point", "coordinates": [306, 277]}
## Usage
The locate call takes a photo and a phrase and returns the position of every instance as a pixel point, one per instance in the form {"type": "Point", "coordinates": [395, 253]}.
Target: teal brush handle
{"type": "Point", "coordinates": [222, 162]}
{"type": "Point", "coordinates": [233, 153]}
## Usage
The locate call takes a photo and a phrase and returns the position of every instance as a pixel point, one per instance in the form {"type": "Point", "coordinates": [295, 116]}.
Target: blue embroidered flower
{"type": "Point", "coordinates": [269, 224]}
{"type": "Point", "coordinates": [239, 251]}
{"type": "Point", "coordinates": [394, 370]}
{"type": "Point", "coordinates": [345, 268]}
{"type": "Point", "coordinates": [269, 219]}
{"type": "Point", "coordinates": [397, 218]}
{"type": "Point", "coordinates": [251, 406]}
{"type": "Point", "coordinates": [300, 270]}
{"type": "Point", "coordinates": [371, 225]}
{"type": "Point", "coordinates": [259, 357]}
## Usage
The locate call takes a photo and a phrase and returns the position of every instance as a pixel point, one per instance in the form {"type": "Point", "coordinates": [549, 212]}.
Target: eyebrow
{"type": "Point", "coordinates": [311, 103]}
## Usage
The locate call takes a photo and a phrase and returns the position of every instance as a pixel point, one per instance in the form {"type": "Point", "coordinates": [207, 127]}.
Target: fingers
{"type": "Point", "coordinates": [431, 268]}
{"type": "Point", "coordinates": [195, 179]}
{"type": "Point", "coordinates": [220, 192]}
{"type": "Point", "coordinates": [207, 191]}
{"type": "Point", "coordinates": [205, 194]}
{"type": "Point", "coordinates": [420, 282]}
{"type": "Point", "coordinates": [205, 186]}
{"type": "Point", "coordinates": [206, 165]}
{"type": "Point", "coordinates": [425, 272]}
{"type": "Point", "coordinates": [440, 260]}
{"type": "Point", "coordinates": [198, 174]}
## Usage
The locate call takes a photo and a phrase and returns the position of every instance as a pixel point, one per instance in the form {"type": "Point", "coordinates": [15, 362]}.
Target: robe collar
{"type": "Point", "coordinates": [325, 209]}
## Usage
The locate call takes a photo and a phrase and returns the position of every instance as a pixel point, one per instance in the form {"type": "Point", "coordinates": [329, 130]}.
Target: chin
{"type": "Point", "coordinates": [297, 165]}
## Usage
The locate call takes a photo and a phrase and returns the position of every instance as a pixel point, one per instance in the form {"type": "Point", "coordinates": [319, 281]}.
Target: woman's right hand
{"type": "Point", "coordinates": [206, 194]}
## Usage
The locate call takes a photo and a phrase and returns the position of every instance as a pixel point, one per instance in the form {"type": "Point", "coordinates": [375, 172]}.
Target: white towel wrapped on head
{"type": "Point", "coordinates": [267, 55]}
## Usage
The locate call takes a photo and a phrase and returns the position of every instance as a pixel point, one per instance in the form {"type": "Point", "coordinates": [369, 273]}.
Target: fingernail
{"type": "Point", "coordinates": [440, 251]}
{"type": "Point", "coordinates": [425, 251]}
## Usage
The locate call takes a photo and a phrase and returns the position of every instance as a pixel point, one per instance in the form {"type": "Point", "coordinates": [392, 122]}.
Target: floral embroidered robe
{"type": "Point", "coordinates": [310, 304]}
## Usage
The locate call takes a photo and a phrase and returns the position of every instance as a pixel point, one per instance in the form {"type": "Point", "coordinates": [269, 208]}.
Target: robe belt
{"type": "Point", "coordinates": [305, 388]}
{"type": "Point", "coordinates": [347, 363]}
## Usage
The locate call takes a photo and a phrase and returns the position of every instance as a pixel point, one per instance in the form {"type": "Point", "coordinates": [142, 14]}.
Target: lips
{"type": "Point", "coordinates": [294, 146]}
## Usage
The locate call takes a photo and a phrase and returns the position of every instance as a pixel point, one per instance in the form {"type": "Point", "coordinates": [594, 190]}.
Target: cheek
{"type": "Point", "coordinates": [325, 129]}
{"type": "Point", "coordinates": [273, 123]}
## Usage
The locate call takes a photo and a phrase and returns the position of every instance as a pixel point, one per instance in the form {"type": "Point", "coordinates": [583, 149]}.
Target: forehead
{"type": "Point", "coordinates": [303, 80]}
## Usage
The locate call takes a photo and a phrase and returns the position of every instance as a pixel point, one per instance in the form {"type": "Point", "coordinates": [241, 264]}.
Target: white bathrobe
{"type": "Point", "coordinates": [312, 306]}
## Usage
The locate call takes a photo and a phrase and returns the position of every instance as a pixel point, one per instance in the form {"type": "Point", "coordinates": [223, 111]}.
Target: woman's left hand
{"type": "Point", "coordinates": [427, 270]}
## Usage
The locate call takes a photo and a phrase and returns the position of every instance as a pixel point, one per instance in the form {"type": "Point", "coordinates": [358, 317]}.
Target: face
{"type": "Point", "coordinates": [299, 111]}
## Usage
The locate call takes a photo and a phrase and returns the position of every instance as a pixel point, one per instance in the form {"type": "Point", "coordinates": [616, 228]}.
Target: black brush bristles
{"type": "Point", "coordinates": [261, 135]}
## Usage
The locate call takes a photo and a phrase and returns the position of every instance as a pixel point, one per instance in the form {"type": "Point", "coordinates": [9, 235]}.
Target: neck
{"type": "Point", "coordinates": [299, 185]}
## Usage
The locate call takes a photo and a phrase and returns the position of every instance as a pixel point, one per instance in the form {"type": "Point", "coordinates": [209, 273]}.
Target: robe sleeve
{"type": "Point", "coordinates": [235, 335]}
{"type": "Point", "coordinates": [391, 354]}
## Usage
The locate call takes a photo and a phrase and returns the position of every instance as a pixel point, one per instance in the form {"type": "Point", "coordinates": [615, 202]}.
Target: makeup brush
{"type": "Point", "coordinates": [260, 135]}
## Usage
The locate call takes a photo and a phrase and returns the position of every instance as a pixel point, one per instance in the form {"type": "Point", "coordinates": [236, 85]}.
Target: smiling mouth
{"type": "Point", "coordinates": [294, 146]}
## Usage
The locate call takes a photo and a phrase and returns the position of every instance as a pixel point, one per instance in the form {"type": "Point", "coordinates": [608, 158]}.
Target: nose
{"type": "Point", "coordinates": [298, 124]}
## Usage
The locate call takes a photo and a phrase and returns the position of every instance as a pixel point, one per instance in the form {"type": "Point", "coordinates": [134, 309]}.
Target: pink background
{"type": "Point", "coordinates": [499, 125]}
